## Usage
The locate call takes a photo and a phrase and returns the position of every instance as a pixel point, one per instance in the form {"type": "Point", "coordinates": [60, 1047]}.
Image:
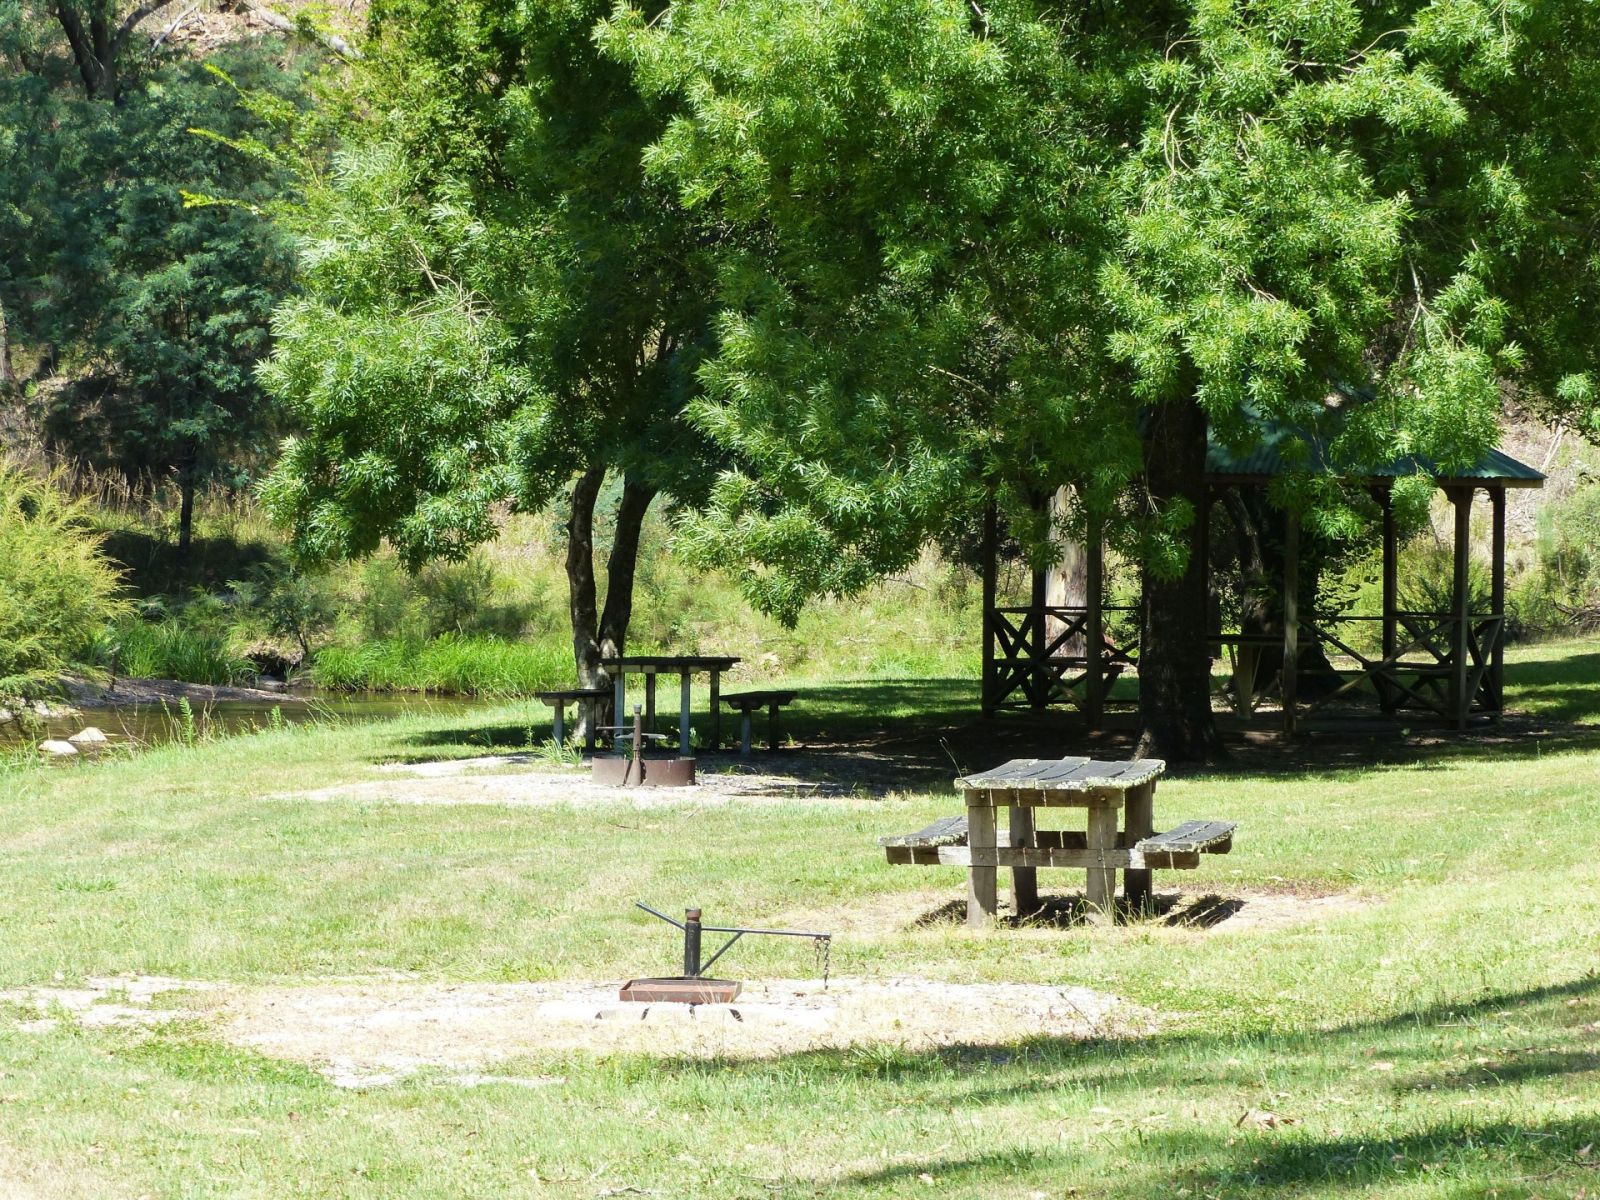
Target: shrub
{"type": "Point", "coordinates": [57, 587]}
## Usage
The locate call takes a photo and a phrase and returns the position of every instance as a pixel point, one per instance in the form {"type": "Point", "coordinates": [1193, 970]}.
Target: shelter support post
{"type": "Point", "coordinates": [1039, 640]}
{"type": "Point", "coordinates": [990, 554]}
{"type": "Point", "coordinates": [1497, 602]}
{"type": "Point", "coordinates": [1391, 589]}
{"type": "Point", "coordinates": [1291, 617]}
{"type": "Point", "coordinates": [1461, 607]}
{"type": "Point", "coordinates": [1094, 628]}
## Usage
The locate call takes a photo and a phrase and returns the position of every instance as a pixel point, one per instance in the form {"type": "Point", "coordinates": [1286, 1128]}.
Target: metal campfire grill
{"type": "Point", "coordinates": [692, 987]}
{"type": "Point", "coordinates": [638, 770]}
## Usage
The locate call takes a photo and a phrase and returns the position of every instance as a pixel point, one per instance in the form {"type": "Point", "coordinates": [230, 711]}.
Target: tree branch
{"type": "Point", "coordinates": [148, 8]}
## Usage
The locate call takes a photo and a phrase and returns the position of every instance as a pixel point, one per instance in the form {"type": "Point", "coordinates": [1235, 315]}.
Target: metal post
{"type": "Point", "coordinates": [691, 943]}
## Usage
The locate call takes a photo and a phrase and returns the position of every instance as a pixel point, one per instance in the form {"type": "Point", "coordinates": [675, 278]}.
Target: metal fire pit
{"type": "Point", "coordinates": [692, 987]}
{"type": "Point", "coordinates": [620, 770]}
{"type": "Point", "coordinates": [636, 769]}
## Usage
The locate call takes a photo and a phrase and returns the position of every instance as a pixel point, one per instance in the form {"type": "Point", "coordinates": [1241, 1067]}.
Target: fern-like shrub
{"type": "Point", "coordinates": [58, 590]}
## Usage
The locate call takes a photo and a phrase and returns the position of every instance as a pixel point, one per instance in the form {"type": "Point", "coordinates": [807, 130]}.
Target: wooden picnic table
{"type": "Point", "coordinates": [684, 666]}
{"type": "Point", "coordinates": [1025, 785]}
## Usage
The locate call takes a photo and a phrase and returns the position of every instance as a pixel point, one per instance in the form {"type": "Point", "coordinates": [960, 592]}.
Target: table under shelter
{"type": "Point", "coordinates": [1444, 659]}
{"type": "Point", "coordinates": [685, 667]}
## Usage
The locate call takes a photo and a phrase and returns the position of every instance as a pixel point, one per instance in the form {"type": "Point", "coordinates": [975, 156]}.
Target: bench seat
{"type": "Point", "coordinates": [944, 843]}
{"type": "Point", "coordinates": [745, 703]}
{"type": "Point", "coordinates": [559, 698]}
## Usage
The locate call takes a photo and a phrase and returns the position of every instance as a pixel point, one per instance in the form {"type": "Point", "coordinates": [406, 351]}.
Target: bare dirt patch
{"type": "Point", "coordinates": [521, 781]}
{"type": "Point", "coordinates": [378, 1033]}
{"type": "Point", "coordinates": [369, 1033]}
{"type": "Point", "coordinates": [101, 1002]}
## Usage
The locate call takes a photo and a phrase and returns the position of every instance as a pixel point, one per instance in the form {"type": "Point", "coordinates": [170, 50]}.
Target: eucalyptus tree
{"type": "Point", "coordinates": [999, 247]}
{"type": "Point", "coordinates": [499, 309]}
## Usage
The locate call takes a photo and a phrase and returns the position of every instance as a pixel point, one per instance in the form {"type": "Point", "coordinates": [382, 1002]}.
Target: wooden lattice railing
{"type": "Point", "coordinates": [1032, 667]}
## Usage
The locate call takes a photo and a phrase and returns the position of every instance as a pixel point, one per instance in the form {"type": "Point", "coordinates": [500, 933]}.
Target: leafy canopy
{"type": "Point", "coordinates": [975, 246]}
{"type": "Point", "coordinates": [495, 295]}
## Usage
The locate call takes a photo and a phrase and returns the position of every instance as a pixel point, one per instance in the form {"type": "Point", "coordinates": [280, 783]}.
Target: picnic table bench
{"type": "Point", "coordinates": [1026, 785]}
{"type": "Point", "coordinates": [584, 698]}
{"type": "Point", "coordinates": [746, 703]}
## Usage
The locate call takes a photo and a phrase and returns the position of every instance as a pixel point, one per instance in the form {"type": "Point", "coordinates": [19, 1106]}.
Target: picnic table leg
{"type": "Point", "coordinates": [620, 703]}
{"type": "Point", "coordinates": [1024, 880]}
{"type": "Point", "coordinates": [772, 727]}
{"type": "Point", "coordinates": [982, 900]}
{"type": "Point", "coordinates": [1139, 823]}
{"type": "Point", "coordinates": [1101, 882]}
{"type": "Point", "coordinates": [593, 709]}
{"type": "Point", "coordinates": [650, 699]}
{"type": "Point", "coordinates": [744, 730]}
{"type": "Point", "coordinates": [716, 710]}
{"type": "Point", "coordinates": [683, 713]}
{"type": "Point", "coordinates": [560, 734]}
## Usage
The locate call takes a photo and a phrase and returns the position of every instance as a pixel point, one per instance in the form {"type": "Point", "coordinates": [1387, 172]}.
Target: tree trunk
{"type": "Point", "coordinates": [1261, 566]}
{"type": "Point", "coordinates": [580, 580]}
{"type": "Point", "coordinates": [186, 477]}
{"type": "Point", "coordinates": [8, 376]}
{"type": "Point", "coordinates": [600, 634]}
{"type": "Point", "coordinates": [622, 566]}
{"type": "Point", "coordinates": [1174, 661]}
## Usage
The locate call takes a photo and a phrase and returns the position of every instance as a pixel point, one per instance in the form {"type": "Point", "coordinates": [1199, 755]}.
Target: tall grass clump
{"type": "Point", "coordinates": [448, 663]}
{"type": "Point", "coordinates": [171, 649]}
{"type": "Point", "coordinates": [57, 587]}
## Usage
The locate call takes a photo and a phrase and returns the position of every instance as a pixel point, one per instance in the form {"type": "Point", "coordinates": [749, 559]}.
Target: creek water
{"type": "Point", "coordinates": [158, 722]}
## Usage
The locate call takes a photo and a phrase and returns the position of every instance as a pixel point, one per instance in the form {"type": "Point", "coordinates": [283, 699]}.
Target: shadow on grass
{"type": "Point", "coordinates": [1071, 911]}
{"type": "Point", "coordinates": [921, 733]}
{"type": "Point", "coordinates": [1249, 1155]}
{"type": "Point", "coordinates": [1472, 1160]}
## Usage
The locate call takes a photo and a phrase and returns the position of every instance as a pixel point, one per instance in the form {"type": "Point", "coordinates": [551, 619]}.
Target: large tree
{"type": "Point", "coordinates": [499, 308]}
{"type": "Point", "coordinates": [152, 311]}
{"type": "Point", "coordinates": [1000, 247]}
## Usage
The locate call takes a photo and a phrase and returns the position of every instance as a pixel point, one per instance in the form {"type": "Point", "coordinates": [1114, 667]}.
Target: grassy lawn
{"type": "Point", "coordinates": [1439, 1036]}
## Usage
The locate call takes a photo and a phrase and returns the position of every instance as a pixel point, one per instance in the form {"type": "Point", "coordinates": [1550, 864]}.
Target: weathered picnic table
{"type": "Point", "coordinates": [1026, 785]}
{"type": "Point", "coordinates": [684, 666]}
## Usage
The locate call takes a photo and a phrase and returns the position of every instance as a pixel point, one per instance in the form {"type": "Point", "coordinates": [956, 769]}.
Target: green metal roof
{"type": "Point", "coordinates": [1280, 450]}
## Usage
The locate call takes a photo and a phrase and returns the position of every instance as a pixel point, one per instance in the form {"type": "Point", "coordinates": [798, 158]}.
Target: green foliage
{"type": "Point", "coordinates": [450, 664]}
{"type": "Point", "coordinates": [57, 588]}
{"type": "Point", "coordinates": [155, 311]}
{"type": "Point", "coordinates": [192, 650]}
{"type": "Point", "coordinates": [1569, 546]}
{"type": "Point", "coordinates": [495, 296]}
{"type": "Point", "coordinates": [989, 246]}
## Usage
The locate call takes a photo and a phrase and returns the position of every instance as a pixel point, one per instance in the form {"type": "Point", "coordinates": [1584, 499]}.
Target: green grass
{"type": "Point", "coordinates": [1439, 1042]}
{"type": "Point", "coordinates": [449, 664]}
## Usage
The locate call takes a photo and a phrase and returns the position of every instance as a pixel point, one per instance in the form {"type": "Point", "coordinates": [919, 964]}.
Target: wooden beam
{"type": "Point", "coordinates": [1039, 688]}
{"type": "Point", "coordinates": [1024, 880]}
{"type": "Point", "coordinates": [990, 552]}
{"type": "Point", "coordinates": [1139, 823]}
{"type": "Point", "coordinates": [1291, 617]}
{"type": "Point", "coordinates": [1391, 588]}
{"type": "Point", "coordinates": [982, 897]}
{"type": "Point", "coordinates": [1497, 603]}
{"type": "Point", "coordinates": [1094, 632]}
{"type": "Point", "coordinates": [1461, 606]}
